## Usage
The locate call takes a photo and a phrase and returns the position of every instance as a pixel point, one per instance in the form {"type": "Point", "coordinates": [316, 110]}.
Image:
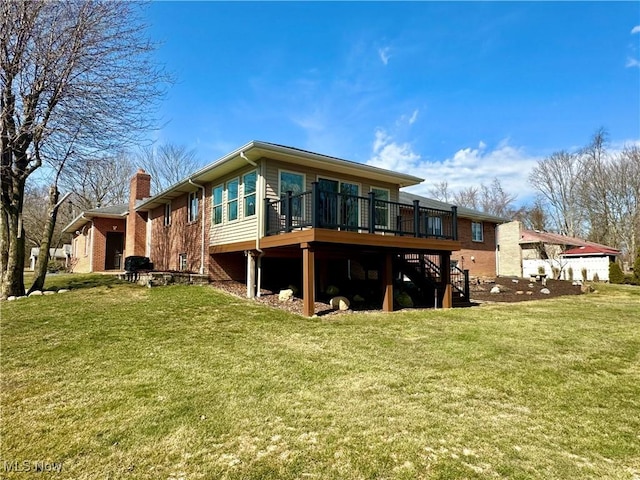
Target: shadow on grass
{"type": "Point", "coordinates": [75, 281]}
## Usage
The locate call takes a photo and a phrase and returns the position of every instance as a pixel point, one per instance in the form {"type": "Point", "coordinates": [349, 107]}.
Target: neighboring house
{"type": "Point", "coordinates": [524, 252]}
{"type": "Point", "coordinates": [273, 216]}
{"type": "Point", "coordinates": [476, 232]}
{"type": "Point", "coordinates": [60, 254]}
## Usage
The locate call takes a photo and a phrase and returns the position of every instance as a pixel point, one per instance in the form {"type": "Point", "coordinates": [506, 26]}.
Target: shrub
{"type": "Point", "coordinates": [615, 273]}
{"type": "Point", "coordinates": [595, 278]}
{"type": "Point", "coordinates": [570, 272]}
{"type": "Point", "coordinates": [556, 272]}
{"type": "Point", "coordinates": [541, 270]}
{"type": "Point", "coordinates": [584, 274]}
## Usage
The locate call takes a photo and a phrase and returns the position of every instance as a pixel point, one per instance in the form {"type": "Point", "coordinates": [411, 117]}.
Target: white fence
{"type": "Point", "coordinates": [593, 266]}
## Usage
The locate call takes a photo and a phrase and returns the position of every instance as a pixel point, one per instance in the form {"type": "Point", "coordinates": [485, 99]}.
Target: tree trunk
{"type": "Point", "coordinates": [40, 272]}
{"type": "Point", "coordinates": [13, 276]}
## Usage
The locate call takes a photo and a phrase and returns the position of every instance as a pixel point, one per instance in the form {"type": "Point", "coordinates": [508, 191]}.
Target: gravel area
{"type": "Point", "coordinates": [520, 290]}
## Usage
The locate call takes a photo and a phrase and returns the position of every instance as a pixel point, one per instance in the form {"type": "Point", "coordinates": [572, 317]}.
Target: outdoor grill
{"type": "Point", "coordinates": [136, 264]}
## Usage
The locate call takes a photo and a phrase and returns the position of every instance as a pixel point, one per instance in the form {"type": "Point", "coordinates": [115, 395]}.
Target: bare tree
{"type": "Point", "coordinates": [467, 197]}
{"type": "Point", "coordinates": [73, 73]}
{"type": "Point", "coordinates": [99, 181]}
{"type": "Point", "coordinates": [440, 191]}
{"type": "Point", "coordinates": [496, 201]}
{"type": "Point", "coordinates": [558, 179]}
{"type": "Point", "coordinates": [167, 164]}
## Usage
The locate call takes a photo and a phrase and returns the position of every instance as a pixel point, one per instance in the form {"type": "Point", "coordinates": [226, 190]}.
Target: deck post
{"type": "Point", "coordinates": [251, 275]}
{"type": "Point", "coordinates": [445, 273]}
{"type": "Point", "coordinates": [315, 202]}
{"type": "Point", "coordinates": [372, 212]}
{"type": "Point", "coordinates": [308, 281]}
{"type": "Point", "coordinates": [416, 218]}
{"type": "Point", "coordinates": [267, 209]}
{"type": "Point", "coordinates": [454, 222]}
{"type": "Point", "coordinates": [288, 211]}
{"type": "Point", "coordinates": [387, 279]}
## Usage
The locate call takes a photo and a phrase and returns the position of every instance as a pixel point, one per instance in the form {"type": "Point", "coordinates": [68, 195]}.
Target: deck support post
{"type": "Point", "coordinates": [251, 275]}
{"type": "Point", "coordinates": [387, 279]}
{"type": "Point", "coordinates": [445, 267]}
{"type": "Point", "coordinates": [308, 281]}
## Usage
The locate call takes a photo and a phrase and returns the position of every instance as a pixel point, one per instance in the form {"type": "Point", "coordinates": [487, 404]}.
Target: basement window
{"type": "Point", "coordinates": [182, 262]}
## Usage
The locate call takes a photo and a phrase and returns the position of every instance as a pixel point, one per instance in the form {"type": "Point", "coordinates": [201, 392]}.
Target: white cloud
{"type": "Point", "coordinates": [635, 29]}
{"type": "Point", "coordinates": [414, 117]}
{"type": "Point", "coordinates": [391, 155]}
{"type": "Point", "coordinates": [632, 62]}
{"type": "Point", "coordinates": [383, 53]}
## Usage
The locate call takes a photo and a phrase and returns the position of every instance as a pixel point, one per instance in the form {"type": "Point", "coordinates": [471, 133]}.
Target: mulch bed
{"type": "Point", "coordinates": [520, 290]}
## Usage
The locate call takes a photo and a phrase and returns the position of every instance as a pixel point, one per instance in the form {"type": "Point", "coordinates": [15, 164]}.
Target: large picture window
{"type": "Point", "coordinates": [216, 199]}
{"type": "Point", "coordinates": [232, 199]}
{"type": "Point", "coordinates": [249, 193]}
{"type": "Point", "coordinates": [294, 183]}
{"type": "Point", "coordinates": [476, 232]}
{"type": "Point", "coordinates": [193, 206]}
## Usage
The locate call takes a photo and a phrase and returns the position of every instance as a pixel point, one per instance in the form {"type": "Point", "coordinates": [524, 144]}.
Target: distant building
{"type": "Point", "coordinates": [61, 254]}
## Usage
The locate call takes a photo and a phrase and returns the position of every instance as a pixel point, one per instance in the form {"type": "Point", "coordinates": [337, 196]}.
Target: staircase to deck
{"type": "Point", "coordinates": [424, 272]}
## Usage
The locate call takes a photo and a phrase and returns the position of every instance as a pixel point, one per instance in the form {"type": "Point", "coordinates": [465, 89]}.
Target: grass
{"type": "Point", "coordinates": [119, 381]}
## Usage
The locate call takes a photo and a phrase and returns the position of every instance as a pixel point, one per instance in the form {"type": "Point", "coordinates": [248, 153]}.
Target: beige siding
{"type": "Point", "coordinates": [238, 230]}
{"type": "Point", "coordinates": [312, 174]}
{"type": "Point", "coordinates": [509, 251]}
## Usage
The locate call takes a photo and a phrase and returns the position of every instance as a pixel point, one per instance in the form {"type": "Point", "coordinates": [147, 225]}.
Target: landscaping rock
{"type": "Point", "coordinates": [294, 289]}
{"type": "Point", "coordinates": [529, 292]}
{"type": "Point", "coordinates": [340, 303]}
{"type": "Point", "coordinates": [11, 298]}
{"type": "Point", "coordinates": [519, 292]}
{"type": "Point", "coordinates": [531, 285]}
{"type": "Point", "coordinates": [514, 281]}
{"type": "Point", "coordinates": [587, 289]}
{"type": "Point", "coordinates": [545, 291]}
{"type": "Point", "coordinates": [358, 298]}
{"type": "Point", "coordinates": [285, 295]}
{"type": "Point", "coordinates": [495, 290]}
{"type": "Point", "coordinates": [63, 290]}
{"type": "Point", "coordinates": [35, 293]}
{"type": "Point", "coordinates": [49, 292]}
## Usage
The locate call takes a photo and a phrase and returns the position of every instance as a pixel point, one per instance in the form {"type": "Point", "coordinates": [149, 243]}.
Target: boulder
{"type": "Point", "coordinates": [495, 289]}
{"type": "Point", "coordinates": [286, 295]}
{"type": "Point", "coordinates": [294, 289]}
{"type": "Point", "coordinates": [519, 292]}
{"type": "Point", "coordinates": [35, 293]}
{"type": "Point", "coordinates": [358, 298]}
{"type": "Point", "coordinates": [586, 289]}
{"type": "Point", "coordinates": [515, 280]}
{"type": "Point", "coordinates": [545, 291]}
{"type": "Point", "coordinates": [63, 290]}
{"type": "Point", "coordinates": [531, 285]}
{"type": "Point", "coordinates": [529, 292]}
{"type": "Point", "coordinates": [49, 292]}
{"type": "Point", "coordinates": [11, 298]}
{"type": "Point", "coordinates": [340, 303]}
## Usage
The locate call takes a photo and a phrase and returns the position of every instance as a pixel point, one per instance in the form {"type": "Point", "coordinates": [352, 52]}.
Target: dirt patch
{"type": "Point", "coordinates": [520, 290]}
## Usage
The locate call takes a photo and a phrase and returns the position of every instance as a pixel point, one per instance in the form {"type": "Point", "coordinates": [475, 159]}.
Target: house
{"type": "Point", "coordinates": [524, 252]}
{"type": "Point", "coordinates": [62, 255]}
{"type": "Point", "coordinates": [476, 232]}
{"type": "Point", "coordinates": [270, 215]}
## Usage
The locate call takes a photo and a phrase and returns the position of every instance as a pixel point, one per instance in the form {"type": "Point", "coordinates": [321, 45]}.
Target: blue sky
{"type": "Point", "coordinates": [454, 91]}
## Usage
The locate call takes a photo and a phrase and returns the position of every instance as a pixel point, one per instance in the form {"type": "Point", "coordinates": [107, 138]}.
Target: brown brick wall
{"type": "Point", "coordinates": [100, 228]}
{"type": "Point", "coordinates": [484, 253]}
{"type": "Point", "coordinates": [136, 239]}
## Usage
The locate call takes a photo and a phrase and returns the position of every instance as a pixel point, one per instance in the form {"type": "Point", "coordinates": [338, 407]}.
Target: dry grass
{"type": "Point", "coordinates": [119, 381]}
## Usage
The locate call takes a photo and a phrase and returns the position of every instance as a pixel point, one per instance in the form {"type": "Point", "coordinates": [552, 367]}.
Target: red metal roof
{"type": "Point", "coordinates": [534, 236]}
{"type": "Point", "coordinates": [590, 250]}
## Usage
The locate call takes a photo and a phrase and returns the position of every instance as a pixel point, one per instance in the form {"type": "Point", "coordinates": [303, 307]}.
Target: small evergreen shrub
{"type": "Point", "coordinates": [615, 273]}
{"type": "Point", "coordinates": [584, 274]}
{"type": "Point", "coordinates": [570, 273]}
{"type": "Point", "coordinates": [595, 278]}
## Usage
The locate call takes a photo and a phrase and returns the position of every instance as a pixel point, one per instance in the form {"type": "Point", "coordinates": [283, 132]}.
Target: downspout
{"type": "Point", "coordinates": [203, 224]}
{"type": "Point", "coordinates": [259, 213]}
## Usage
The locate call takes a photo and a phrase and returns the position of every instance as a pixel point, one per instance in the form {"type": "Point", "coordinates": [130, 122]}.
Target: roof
{"type": "Point", "coordinates": [463, 212]}
{"type": "Point", "coordinates": [590, 250]}
{"type": "Point", "coordinates": [113, 211]}
{"type": "Point", "coordinates": [535, 236]}
{"type": "Point", "coordinates": [255, 150]}
{"type": "Point", "coordinates": [63, 252]}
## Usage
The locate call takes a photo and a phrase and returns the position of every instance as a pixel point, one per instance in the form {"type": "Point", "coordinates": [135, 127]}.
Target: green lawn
{"type": "Point", "coordinates": [118, 381]}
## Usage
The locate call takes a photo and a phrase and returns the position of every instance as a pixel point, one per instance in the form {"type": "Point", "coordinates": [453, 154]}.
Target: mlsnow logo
{"type": "Point", "coordinates": [34, 466]}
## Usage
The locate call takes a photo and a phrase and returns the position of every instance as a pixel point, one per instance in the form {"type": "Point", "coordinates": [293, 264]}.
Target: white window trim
{"type": "Point", "coordinates": [481, 232]}
{"type": "Point", "coordinates": [167, 217]}
{"type": "Point", "coordinates": [214, 205]}
{"type": "Point", "coordinates": [182, 268]}
{"type": "Point", "coordinates": [245, 195]}
{"type": "Point", "coordinates": [227, 201]}
{"type": "Point", "coordinates": [190, 217]}
{"type": "Point", "coordinates": [388, 190]}
{"type": "Point", "coordinates": [304, 186]}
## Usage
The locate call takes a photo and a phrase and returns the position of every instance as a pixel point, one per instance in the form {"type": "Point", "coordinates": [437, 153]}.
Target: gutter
{"type": "Point", "coordinates": [203, 225]}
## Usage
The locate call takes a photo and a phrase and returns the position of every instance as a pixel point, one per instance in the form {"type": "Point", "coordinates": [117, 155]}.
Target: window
{"type": "Point", "coordinates": [249, 183]}
{"type": "Point", "coordinates": [382, 208]}
{"type": "Point", "coordinates": [292, 182]}
{"type": "Point", "coordinates": [232, 199]}
{"type": "Point", "coordinates": [193, 206]}
{"type": "Point", "coordinates": [167, 214]}
{"type": "Point", "coordinates": [434, 226]}
{"type": "Point", "coordinates": [476, 232]}
{"type": "Point", "coordinates": [182, 262]}
{"type": "Point", "coordinates": [216, 198]}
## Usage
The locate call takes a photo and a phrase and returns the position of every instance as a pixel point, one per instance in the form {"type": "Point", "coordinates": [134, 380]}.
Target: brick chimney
{"type": "Point", "coordinates": [140, 188]}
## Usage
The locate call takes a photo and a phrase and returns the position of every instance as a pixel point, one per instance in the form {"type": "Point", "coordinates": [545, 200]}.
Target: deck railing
{"type": "Point", "coordinates": [339, 211]}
